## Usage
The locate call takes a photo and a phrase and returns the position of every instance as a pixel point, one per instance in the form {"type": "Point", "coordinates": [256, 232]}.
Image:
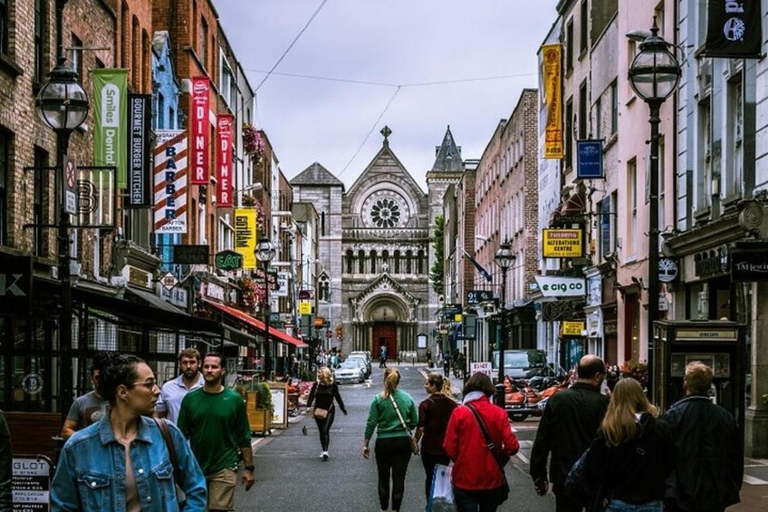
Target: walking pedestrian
{"type": "Point", "coordinates": [631, 455]}
{"type": "Point", "coordinates": [92, 406]}
{"type": "Point", "coordinates": [322, 394]}
{"type": "Point", "coordinates": [214, 420]}
{"type": "Point", "coordinates": [383, 356]}
{"type": "Point", "coordinates": [174, 391]}
{"type": "Point", "coordinates": [122, 462]}
{"type": "Point", "coordinates": [480, 442]}
{"type": "Point", "coordinates": [393, 446]}
{"type": "Point", "coordinates": [434, 413]}
{"type": "Point", "coordinates": [6, 465]}
{"type": "Point", "coordinates": [567, 427]}
{"type": "Point", "coordinates": [709, 463]}
{"type": "Point", "coordinates": [429, 358]}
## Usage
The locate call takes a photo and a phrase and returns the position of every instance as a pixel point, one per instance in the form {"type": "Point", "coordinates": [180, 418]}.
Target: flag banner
{"type": "Point", "coordinates": [171, 174]}
{"type": "Point", "coordinates": [139, 121]}
{"type": "Point", "coordinates": [110, 118]}
{"type": "Point", "coordinates": [225, 124]}
{"type": "Point", "coordinates": [552, 73]}
{"type": "Point", "coordinates": [200, 132]}
{"type": "Point", "coordinates": [734, 29]}
{"type": "Point", "coordinates": [245, 235]}
{"type": "Point", "coordinates": [479, 268]}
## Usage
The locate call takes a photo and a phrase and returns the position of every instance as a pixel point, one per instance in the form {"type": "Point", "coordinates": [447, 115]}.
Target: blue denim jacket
{"type": "Point", "coordinates": [91, 472]}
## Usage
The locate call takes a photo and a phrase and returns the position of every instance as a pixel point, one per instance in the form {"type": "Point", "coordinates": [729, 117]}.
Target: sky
{"type": "Point", "coordinates": [325, 115]}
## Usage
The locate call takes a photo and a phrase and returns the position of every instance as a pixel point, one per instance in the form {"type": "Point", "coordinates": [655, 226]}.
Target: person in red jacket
{"type": "Point", "coordinates": [478, 480]}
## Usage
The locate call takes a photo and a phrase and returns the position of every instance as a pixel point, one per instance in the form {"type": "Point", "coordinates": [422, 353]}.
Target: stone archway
{"type": "Point", "coordinates": [384, 319]}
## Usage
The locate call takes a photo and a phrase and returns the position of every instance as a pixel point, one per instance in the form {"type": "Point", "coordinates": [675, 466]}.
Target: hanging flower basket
{"type": "Point", "coordinates": [253, 142]}
{"type": "Point", "coordinates": [638, 370]}
{"type": "Point", "coordinates": [248, 287]}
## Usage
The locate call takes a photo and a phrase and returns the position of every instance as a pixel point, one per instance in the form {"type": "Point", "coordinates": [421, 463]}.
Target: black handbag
{"type": "Point", "coordinates": [492, 447]}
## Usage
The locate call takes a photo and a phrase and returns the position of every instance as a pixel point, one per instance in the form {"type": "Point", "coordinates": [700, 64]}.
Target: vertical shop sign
{"type": "Point", "coordinates": [200, 130]}
{"type": "Point", "coordinates": [110, 133]}
{"type": "Point", "coordinates": [224, 160]}
{"type": "Point", "coordinates": [245, 235]}
{"type": "Point", "coordinates": [171, 182]}
{"type": "Point", "coordinates": [552, 74]}
{"type": "Point", "coordinates": [734, 29]}
{"type": "Point", "coordinates": [140, 112]}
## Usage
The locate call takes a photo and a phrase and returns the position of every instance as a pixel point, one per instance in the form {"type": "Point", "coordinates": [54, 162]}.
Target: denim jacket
{"type": "Point", "coordinates": [91, 472]}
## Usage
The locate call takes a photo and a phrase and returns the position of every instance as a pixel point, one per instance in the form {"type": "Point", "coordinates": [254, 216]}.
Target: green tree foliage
{"type": "Point", "coordinates": [436, 272]}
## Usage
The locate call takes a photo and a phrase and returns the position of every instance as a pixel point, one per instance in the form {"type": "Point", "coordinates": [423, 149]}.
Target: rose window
{"type": "Point", "coordinates": [385, 213]}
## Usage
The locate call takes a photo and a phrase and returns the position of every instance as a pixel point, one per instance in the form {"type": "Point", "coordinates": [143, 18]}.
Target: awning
{"type": "Point", "coordinates": [276, 334]}
{"type": "Point", "coordinates": [155, 301]}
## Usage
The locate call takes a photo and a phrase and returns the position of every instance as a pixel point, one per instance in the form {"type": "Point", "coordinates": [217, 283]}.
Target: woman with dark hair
{"type": "Point", "coordinates": [322, 394]}
{"type": "Point", "coordinates": [479, 483]}
{"type": "Point", "coordinates": [122, 462]}
{"type": "Point", "coordinates": [392, 414]}
{"type": "Point", "coordinates": [434, 413]}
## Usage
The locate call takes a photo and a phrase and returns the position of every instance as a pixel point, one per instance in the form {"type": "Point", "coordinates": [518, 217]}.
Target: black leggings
{"type": "Point", "coordinates": [392, 456]}
{"type": "Point", "coordinates": [324, 426]}
{"type": "Point", "coordinates": [429, 462]}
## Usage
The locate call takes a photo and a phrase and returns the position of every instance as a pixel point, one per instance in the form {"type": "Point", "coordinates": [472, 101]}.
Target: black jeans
{"type": "Point", "coordinates": [392, 457]}
{"type": "Point", "coordinates": [429, 462]}
{"type": "Point", "coordinates": [563, 501]}
{"type": "Point", "coordinates": [324, 426]}
{"type": "Point", "coordinates": [477, 501]}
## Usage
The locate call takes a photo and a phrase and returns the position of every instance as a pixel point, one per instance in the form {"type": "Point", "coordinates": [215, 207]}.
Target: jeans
{"type": "Point", "coordinates": [324, 426]}
{"type": "Point", "coordinates": [477, 501]}
{"type": "Point", "coordinates": [622, 506]}
{"type": "Point", "coordinates": [392, 457]}
{"type": "Point", "coordinates": [563, 501]}
{"type": "Point", "coordinates": [430, 461]}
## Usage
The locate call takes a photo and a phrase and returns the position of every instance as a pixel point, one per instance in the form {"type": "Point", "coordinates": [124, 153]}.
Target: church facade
{"type": "Point", "coordinates": [375, 250]}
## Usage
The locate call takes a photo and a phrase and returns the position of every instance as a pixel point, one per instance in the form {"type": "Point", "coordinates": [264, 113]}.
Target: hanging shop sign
{"type": "Point", "coordinates": [734, 29]}
{"type": "Point", "coordinates": [668, 270]}
{"type": "Point", "coordinates": [110, 118]}
{"type": "Point", "coordinates": [749, 263]}
{"type": "Point", "coordinates": [229, 260]}
{"type": "Point", "coordinates": [589, 160]}
{"type": "Point", "coordinates": [225, 125]}
{"type": "Point", "coordinates": [245, 235]}
{"type": "Point", "coordinates": [200, 132]}
{"type": "Point", "coordinates": [563, 243]}
{"type": "Point", "coordinates": [551, 71]}
{"type": "Point", "coordinates": [169, 281]}
{"type": "Point", "coordinates": [213, 291]}
{"type": "Point", "coordinates": [139, 121]}
{"type": "Point", "coordinates": [451, 311]}
{"type": "Point", "coordinates": [559, 286]}
{"type": "Point", "coordinates": [137, 277]}
{"type": "Point", "coordinates": [190, 255]}
{"type": "Point", "coordinates": [572, 328]}
{"type": "Point", "coordinates": [281, 287]}
{"type": "Point", "coordinates": [305, 294]}
{"type": "Point", "coordinates": [478, 296]}
{"type": "Point", "coordinates": [171, 176]}
{"type": "Point", "coordinates": [305, 308]}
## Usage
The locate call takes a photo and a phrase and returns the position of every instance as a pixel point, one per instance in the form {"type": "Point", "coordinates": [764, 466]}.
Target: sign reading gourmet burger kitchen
{"type": "Point", "coordinates": [109, 120]}
{"type": "Point", "coordinates": [171, 176]}
{"type": "Point", "coordinates": [200, 133]}
{"type": "Point", "coordinates": [225, 124]}
{"type": "Point", "coordinates": [140, 117]}
{"type": "Point", "coordinates": [563, 243]}
{"type": "Point", "coordinates": [734, 29]}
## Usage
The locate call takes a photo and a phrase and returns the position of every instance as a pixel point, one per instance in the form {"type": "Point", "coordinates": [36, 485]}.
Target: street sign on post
{"type": "Point", "coordinates": [478, 296]}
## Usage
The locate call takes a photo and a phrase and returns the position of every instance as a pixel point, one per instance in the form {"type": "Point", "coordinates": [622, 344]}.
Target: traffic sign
{"type": "Point", "coordinates": [169, 281]}
{"type": "Point", "coordinates": [70, 192]}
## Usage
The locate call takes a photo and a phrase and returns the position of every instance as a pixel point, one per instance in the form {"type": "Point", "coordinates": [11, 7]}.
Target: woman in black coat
{"type": "Point", "coordinates": [322, 394]}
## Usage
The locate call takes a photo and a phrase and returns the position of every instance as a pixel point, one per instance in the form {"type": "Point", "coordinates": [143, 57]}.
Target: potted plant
{"type": "Point", "coordinates": [260, 408]}
{"type": "Point", "coordinates": [638, 370]}
{"type": "Point", "coordinates": [253, 142]}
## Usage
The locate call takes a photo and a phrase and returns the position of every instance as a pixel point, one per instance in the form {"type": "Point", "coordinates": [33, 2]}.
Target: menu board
{"type": "Point", "coordinates": [31, 483]}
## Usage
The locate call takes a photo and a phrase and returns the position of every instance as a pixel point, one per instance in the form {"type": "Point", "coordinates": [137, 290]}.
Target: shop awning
{"type": "Point", "coordinates": [276, 334]}
{"type": "Point", "coordinates": [155, 301]}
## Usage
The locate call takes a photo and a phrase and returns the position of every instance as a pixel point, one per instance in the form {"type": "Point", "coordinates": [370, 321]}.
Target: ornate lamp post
{"type": "Point", "coordinates": [63, 105]}
{"type": "Point", "coordinates": [654, 75]}
{"type": "Point", "coordinates": [504, 259]}
{"type": "Point", "coordinates": [265, 253]}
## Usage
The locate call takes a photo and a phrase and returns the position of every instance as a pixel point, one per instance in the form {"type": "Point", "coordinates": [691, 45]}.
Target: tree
{"type": "Point", "coordinates": [436, 272]}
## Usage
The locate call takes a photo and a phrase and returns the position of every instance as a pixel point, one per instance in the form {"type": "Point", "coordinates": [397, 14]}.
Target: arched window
{"type": "Point", "coordinates": [374, 270]}
{"type": "Point", "coordinates": [361, 262]}
{"type": "Point", "coordinates": [350, 258]}
{"type": "Point", "coordinates": [385, 258]}
{"type": "Point", "coordinates": [421, 262]}
{"type": "Point", "coordinates": [397, 262]}
{"type": "Point", "coordinates": [408, 263]}
{"type": "Point", "coordinates": [324, 289]}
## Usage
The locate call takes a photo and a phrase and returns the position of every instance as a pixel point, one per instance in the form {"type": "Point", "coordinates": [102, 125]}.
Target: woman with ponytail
{"type": "Point", "coordinates": [434, 413]}
{"type": "Point", "coordinates": [393, 446]}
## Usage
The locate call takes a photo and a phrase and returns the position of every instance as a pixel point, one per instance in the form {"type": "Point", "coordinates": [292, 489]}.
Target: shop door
{"type": "Point", "coordinates": [384, 333]}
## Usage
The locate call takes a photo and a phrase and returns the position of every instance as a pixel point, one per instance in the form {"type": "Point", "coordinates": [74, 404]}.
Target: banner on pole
{"type": "Point", "coordinates": [200, 130]}
{"type": "Point", "coordinates": [140, 119]}
{"type": "Point", "coordinates": [245, 235]}
{"type": "Point", "coordinates": [171, 182]}
{"type": "Point", "coordinates": [225, 124]}
{"type": "Point", "coordinates": [110, 133]}
{"type": "Point", "coordinates": [552, 73]}
{"type": "Point", "coordinates": [734, 29]}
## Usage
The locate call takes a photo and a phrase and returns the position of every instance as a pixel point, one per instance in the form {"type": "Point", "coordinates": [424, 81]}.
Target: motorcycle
{"type": "Point", "coordinates": [522, 400]}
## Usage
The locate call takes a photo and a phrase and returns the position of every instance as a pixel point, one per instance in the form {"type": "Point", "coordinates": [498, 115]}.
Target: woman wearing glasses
{"type": "Point", "coordinates": [121, 462]}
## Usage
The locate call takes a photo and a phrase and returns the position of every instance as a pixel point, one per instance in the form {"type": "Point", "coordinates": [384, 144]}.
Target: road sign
{"type": "Point", "coordinates": [483, 367]}
{"type": "Point", "coordinates": [169, 281]}
{"type": "Point", "coordinates": [70, 191]}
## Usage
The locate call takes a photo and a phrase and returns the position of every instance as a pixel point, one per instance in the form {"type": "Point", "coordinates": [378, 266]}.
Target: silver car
{"type": "Point", "coordinates": [350, 371]}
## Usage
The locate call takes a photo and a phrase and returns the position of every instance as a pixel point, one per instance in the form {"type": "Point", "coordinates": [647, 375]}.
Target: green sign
{"type": "Point", "coordinates": [110, 113]}
{"type": "Point", "coordinates": [229, 260]}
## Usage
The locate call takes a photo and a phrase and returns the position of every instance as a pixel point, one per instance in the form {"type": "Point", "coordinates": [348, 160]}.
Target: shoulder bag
{"type": "Point", "coordinates": [492, 447]}
{"type": "Point", "coordinates": [163, 426]}
{"type": "Point", "coordinates": [411, 439]}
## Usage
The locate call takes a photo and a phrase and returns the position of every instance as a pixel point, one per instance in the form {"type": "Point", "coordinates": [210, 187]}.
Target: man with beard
{"type": "Point", "coordinates": [174, 391]}
{"type": "Point", "coordinates": [214, 420]}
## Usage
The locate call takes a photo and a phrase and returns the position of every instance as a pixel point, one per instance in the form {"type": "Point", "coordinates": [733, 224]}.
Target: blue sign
{"type": "Point", "coordinates": [589, 159]}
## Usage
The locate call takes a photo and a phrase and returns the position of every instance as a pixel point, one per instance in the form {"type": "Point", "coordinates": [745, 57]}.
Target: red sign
{"type": "Point", "coordinates": [225, 124]}
{"type": "Point", "coordinates": [200, 130]}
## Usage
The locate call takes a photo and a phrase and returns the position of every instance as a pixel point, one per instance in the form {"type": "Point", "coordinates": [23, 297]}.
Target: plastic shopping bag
{"type": "Point", "coordinates": [441, 496]}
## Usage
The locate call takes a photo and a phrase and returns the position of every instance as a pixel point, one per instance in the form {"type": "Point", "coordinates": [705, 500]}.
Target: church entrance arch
{"type": "Point", "coordinates": [385, 320]}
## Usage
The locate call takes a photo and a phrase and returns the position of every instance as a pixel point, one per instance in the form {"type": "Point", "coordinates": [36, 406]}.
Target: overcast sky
{"type": "Point", "coordinates": [391, 42]}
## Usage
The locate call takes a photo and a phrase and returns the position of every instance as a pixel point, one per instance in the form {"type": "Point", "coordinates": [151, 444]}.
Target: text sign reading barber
{"type": "Point", "coordinates": [31, 483]}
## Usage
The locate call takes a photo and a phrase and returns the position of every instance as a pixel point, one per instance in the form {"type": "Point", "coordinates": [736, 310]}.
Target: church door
{"type": "Point", "coordinates": [384, 333]}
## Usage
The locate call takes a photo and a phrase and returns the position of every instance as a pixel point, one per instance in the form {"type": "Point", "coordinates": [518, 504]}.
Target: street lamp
{"type": "Point", "coordinates": [504, 259]}
{"type": "Point", "coordinates": [62, 104]}
{"type": "Point", "coordinates": [654, 75]}
{"type": "Point", "coordinates": [265, 252]}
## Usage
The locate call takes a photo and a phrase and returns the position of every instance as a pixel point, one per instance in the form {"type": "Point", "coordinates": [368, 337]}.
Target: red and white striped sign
{"type": "Point", "coordinates": [170, 191]}
{"type": "Point", "coordinates": [224, 169]}
{"type": "Point", "coordinates": [200, 131]}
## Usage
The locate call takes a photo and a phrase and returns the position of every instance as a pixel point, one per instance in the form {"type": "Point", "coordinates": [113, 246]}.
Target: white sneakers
{"type": "Point", "coordinates": [324, 455]}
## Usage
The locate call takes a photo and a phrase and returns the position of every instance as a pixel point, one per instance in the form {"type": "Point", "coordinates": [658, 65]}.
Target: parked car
{"type": "Point", "coordinates": [365, 357]}
{"type": "Point", "coordinates": [350, 371]}
{"type": "Point", "coordinates": [522, 364]}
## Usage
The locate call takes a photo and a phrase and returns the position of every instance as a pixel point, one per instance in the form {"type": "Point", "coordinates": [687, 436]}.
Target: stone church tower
{"type": "Point", "coordinates": [375, 249]}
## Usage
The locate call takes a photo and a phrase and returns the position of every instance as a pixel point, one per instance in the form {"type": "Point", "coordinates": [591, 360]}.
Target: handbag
{"type": "Point", "coordinates": [441, 493]}
{"type": "Point", "coordinates": [492, 447]}
{"type": "Point", "coordinates": [320, 414]}
{"type": "Point", "coordinates": [411, 439]}
{"type": "Point", "coordinates": [162, 424]}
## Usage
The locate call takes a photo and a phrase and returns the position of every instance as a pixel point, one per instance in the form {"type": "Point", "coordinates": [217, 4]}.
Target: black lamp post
{"type": "Point", "coordinates": [504, 259]}
{"type": "Point", "coordinates": [654, 75]}
{"type": "Point", "coordinates": [265, 252]}
{"type": "Point", "coordinates": [62, 104]}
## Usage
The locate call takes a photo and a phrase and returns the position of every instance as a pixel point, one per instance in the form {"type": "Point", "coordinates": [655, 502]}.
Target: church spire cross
{"type": "Point", "coordinates": [386, 132]}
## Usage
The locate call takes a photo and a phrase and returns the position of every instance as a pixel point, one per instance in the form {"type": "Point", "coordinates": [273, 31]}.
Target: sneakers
{"type": "Point", "coordinates": [324, 455]}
